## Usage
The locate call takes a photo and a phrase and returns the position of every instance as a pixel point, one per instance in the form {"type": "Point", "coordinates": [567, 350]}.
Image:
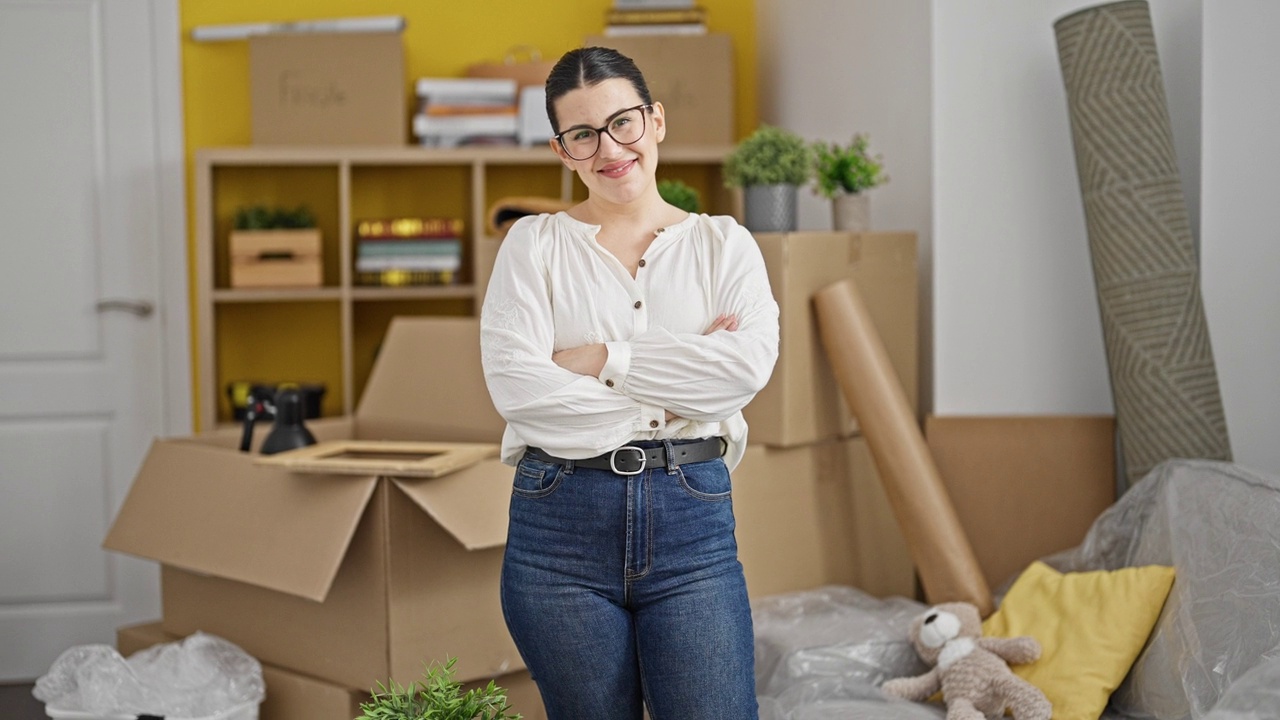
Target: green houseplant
{"type": "Point", "coordinates": [262, 217]}
{"type": "Point", "coordinates": [680, 194]}
{"type": "Point", "coordinates": [437, 696]}
{"type": "Point", "coordinates": [843, 174]}
{"type": "Point", "coordinates": [770, 166]}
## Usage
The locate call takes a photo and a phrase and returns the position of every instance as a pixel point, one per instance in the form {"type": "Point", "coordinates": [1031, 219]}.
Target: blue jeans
{"type": "Point", "coordinates": [622, 590]}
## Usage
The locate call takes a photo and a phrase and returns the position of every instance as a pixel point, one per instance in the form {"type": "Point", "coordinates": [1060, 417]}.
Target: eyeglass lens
{"type": "Point", "coordinates": [625, 128]}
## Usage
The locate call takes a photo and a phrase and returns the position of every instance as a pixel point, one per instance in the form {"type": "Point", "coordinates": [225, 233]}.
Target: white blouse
{"type": "Point", "coordinates": [554, 288]}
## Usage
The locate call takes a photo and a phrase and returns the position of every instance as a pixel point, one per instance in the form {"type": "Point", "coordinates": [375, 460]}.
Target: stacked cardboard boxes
{"type": "Point", "coordinates": [335, 582]}
{"type": "Point", "coordinates": [808, 468]}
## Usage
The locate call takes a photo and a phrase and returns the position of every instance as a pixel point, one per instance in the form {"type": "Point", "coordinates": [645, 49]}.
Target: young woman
{"type": "Point", "coordinates": [621, 340]}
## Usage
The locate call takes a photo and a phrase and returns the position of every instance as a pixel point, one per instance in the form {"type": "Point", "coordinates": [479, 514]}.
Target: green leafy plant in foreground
{"type": "Point", "coordinates": [437, 696]}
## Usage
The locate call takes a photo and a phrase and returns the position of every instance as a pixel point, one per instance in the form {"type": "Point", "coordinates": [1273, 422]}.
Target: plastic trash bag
{"type": "Point", "coordinates": [822, 654]}
{"type": "Point", "coordinates": [200, 676]}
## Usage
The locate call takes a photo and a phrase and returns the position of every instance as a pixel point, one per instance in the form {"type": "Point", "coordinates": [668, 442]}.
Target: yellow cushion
{"type": "Point", "coordinates": [1091, 626]}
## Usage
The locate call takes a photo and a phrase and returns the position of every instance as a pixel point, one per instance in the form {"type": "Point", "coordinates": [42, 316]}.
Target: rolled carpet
{"type": "Point", "coordinates": [1145, 264]}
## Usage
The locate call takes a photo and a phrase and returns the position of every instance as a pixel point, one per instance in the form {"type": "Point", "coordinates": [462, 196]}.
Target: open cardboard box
{"type": "Point", "coordinates": [350, 579]}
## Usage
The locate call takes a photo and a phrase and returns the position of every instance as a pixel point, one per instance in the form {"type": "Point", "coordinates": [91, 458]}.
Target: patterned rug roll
{"type": "Point", "coordinates": [1145, 267]}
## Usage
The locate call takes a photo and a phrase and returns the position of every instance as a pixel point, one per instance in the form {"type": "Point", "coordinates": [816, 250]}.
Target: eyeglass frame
{"type": "Point", "coordinates": [604, 130]}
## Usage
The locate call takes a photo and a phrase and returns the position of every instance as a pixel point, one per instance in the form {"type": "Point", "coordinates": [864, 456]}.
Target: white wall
{"type": "Point", "coordinates": [1017, 328]}
{"type": "Point", "coordinates": [1240, 250]}
{"type": "Point", "coordinates": [831, 68]}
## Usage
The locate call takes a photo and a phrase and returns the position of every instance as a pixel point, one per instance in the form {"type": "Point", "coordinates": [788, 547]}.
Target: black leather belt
{"type": "Point", "coordinates": [632, 460]}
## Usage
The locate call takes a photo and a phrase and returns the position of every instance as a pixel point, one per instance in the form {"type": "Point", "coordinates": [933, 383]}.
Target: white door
{"type": "Point", "coordinates": [90, 236]}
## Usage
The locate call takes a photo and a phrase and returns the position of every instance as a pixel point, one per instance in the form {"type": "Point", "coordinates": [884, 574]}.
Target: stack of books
{"type": "Point", "coordinates": [655, 17]}
{"type": "Point", "coordinates": [466, 111]}
{"type": "Point", "coordinates": [408, 251]}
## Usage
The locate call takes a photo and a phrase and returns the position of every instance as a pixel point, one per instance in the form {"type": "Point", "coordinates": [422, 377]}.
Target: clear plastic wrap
{"type": "Point", "coordinates": [1214, 653]}
{"type": "Point", "coordinates": [823, 654]}
{"type": "Point", "coordinates": [1218, 525]}
{"type": "Point", "coordinates": [201, 676]}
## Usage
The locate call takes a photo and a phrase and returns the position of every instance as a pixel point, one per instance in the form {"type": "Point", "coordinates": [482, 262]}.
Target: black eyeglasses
{"type": "Point", "coordinates": [626, 127]}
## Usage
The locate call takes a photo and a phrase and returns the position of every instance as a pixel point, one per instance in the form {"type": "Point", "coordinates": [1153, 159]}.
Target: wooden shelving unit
{"type": "Point", "coordinates": [329, 334]}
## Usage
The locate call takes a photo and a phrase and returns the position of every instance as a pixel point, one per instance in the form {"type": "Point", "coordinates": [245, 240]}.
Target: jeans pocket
{"type": "Point", "coordinates": [535, 478]}
{"type": "Point", "coordinates": [707, 480]}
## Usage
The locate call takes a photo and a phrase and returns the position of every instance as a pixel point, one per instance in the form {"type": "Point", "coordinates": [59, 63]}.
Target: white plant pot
{"type": "Point", "coordinates": [851, 212]}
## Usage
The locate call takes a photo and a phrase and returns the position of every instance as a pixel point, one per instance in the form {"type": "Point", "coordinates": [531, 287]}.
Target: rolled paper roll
{"type": "Point", "coordinates": [944, 559]}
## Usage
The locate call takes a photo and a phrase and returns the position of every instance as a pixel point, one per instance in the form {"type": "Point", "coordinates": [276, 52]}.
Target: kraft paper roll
{"type": "Point", "coordinates": [942, 554]}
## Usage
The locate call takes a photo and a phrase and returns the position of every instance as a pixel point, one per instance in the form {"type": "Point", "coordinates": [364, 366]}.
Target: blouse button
{"type": "Point", "coordinates": [641, 262]}
{"type": "Point", "coordinates": [609, 383]}
{"type": "Point", "coordinates": [653, 423]}
{"type": "Point", "coordinates": [637, 304]}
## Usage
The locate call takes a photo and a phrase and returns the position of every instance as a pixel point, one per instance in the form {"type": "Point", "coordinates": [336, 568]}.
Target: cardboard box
{"type": "Point", "coordinates": [817, 515]}
{"type": "Point", "coordinates": [802, 403]}
{"type": "Point", "coordinates": [328, 89]}
{"type": "Point", "coordinates": [294, 696]}
{"type": "Point", "coordinates": [1024, 487]}
{"type": "Point", "coordinates": [699, 105]}
{"type": "Point", "coordinates": [276, 258]}
{"type": "Point", "coordinates": [349, 579]}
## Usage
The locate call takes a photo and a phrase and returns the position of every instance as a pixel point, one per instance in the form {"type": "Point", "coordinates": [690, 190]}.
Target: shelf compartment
{"type": "Point", "coordinates": [279, 342]}
{"type": "Point", "coordinates": [289, 186]}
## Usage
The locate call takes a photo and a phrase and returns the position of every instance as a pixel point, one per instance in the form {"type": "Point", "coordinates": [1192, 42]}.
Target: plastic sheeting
{"type": "Point", "coordinates": [1213, 655]}
{"type": "Point", "coordinates": [201, 676]}
{"type": "Point", "coordinates": [825, 652]}
{"type": "Point", "coordinates": [1218, 525]}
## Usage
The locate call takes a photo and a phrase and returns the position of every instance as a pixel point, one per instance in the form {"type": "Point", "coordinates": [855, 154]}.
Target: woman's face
{"type": "Point", "coordinates": [616, 173]}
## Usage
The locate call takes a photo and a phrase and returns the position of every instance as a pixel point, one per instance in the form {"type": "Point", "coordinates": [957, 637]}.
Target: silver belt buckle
{"type": "Point", "coordinates": [613, 460]}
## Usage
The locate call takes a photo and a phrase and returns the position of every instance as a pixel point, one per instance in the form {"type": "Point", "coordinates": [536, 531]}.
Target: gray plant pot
{"type": "Point", "coordinates": [770, 208]}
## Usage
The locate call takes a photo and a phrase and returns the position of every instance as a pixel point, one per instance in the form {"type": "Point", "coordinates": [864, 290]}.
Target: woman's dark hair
{"type": "Point", "coordinates": [589, 66]}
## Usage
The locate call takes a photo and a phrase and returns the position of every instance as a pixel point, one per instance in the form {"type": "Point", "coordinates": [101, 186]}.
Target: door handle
{"type": "Point", "coordinates": [141, 308]}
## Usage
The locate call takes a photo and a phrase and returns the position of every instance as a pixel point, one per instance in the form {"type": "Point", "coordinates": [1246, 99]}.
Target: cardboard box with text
{"type": "Point", "coordinates": [328, 89]}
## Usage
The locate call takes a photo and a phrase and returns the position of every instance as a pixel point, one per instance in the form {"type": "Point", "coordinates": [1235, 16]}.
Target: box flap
{"type": "Point", "coordinates": [428, 384]}
{"type": "Point", "coordinates": [471, 504]}
{"type": "Point", "coordinates": [210, 510]}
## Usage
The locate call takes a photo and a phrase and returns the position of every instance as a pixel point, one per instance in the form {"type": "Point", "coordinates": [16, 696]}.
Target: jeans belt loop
{"type": "Point", "coordinates": [613, 460]}
{"type": "Point", "coordinates": [671, 456]}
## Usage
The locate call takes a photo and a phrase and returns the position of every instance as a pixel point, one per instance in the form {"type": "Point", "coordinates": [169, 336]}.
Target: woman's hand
{"type": "Point", "coordinates": [723, 322]}
{"type": "Point", "coordinates": [584, 359]}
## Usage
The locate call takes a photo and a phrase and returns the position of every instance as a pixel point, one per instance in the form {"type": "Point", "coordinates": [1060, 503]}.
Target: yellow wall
{"type": "Point", "coordinates": [441, 39]}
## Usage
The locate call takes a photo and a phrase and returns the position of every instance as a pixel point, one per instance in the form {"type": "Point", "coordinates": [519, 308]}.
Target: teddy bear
{"type": "Point", "coordinates": [970, 669]}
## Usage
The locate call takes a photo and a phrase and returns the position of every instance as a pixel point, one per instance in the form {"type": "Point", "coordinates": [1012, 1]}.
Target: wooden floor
{"type": "Point", "coordinates": [17, 703]}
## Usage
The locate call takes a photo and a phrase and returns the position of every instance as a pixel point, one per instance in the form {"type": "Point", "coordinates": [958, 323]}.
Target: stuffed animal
{"type": "Point", "coordinates": [971, 670]}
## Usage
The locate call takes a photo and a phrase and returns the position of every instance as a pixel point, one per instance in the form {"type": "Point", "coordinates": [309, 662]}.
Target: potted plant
{"type": "Point", "coordinates": [843, 174]}
{"type": "Point", "coordinates": [769, 166]}
{"type": "Point", "coordinates": [680, 194]}
{"type": "Point", "coordinates": [275, 247]}
{"type": "Point", "coordinates": [437, 696]}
